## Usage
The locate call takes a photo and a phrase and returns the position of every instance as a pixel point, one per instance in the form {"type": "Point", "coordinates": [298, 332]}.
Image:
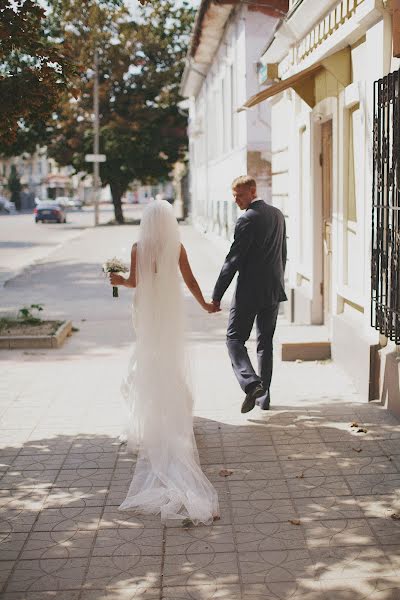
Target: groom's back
{"type": "Point", "coordinates": [261, 275]}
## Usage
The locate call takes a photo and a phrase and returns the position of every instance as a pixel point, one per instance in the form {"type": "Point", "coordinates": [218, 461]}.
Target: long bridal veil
{"type": "Point", "coordinates": [167, 478]}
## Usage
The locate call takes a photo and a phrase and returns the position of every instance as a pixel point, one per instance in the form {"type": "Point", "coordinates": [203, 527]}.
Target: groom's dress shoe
{"type": "Point", "coordinates": [264, 405]}
{"type": "Point", "coordinates": [249, 402]}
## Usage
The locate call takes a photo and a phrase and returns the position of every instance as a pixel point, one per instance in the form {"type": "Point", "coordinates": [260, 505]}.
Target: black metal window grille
{"type": "Point", "coordinates": [385, 275]}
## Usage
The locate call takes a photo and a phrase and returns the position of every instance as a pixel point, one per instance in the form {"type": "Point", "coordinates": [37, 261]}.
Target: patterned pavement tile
{"type": "Point", "coordinates": [66, 497]}
{"type": "Point", "coordinates": [296, 437]}
{"type": "Point", "coordinates": [6, 462]}
{"type": "Point", "coordinates": [379, 506]}
{"type": "Point", "coordinates": [248, 454]}
{"type": "Point", "coordinates": [38, 462]}
{"type": "Point", "coordinates": [51, 446]}
{"type": "Point", "coordinates": [342, 432]}
{"type": "Point", "coordinates": [263, 511]}
{"type": "Point", "coordinates": [6, 567]}
{"type": "Point", "coordinates": [202, 592]}
{"type": "Point", "coordinates": [349, 562]}
{"type": "Point", "coordinates": [90, 460]}
{"type": "Point", "coordinates": [129, 542]}
{"type": "Point", "coordinates": [349, 532]}
{"type": "Point", "coordinates": [258, 489]}
{"type": "Point", "coordinates": [276, 565]}
{"type": "Point", "coordinates": [217, 569]}
{"type": "Point", "coordinates": [11, 544]}
{"type": "Point", "coordinates": [301, 589]}
{"type": "Point", "coordinates": [268, 536]}
{"type": "Point", "coordinates": [386, 530]}
{"type": "Point", "coordinates": [246, 439]}
{"type": "Point", "coordinates": [68, 519]}
{"type": "Point", "coordinates": [362, 589]}
{"type": "Point", "coordinates": [117, 494]}
{"type": "Point", "coordinates": [389, 447]}
{"type": "Point", "coordinates": [313, 487]}
{"type": "Point", "coordinates": [145, 593]}
{"type": "Point", "coordinates": [210, 456]}
{"type": "Point", "coordinates": [25, 498]}
{"type": "Point", "coordinates": [41, 596]}
{"type": "Point", "coordinates": [302, 451]}
{"type": "Point", "coordinates": [17, 520]}
{"type": "Point", "coordinates": [309, 468]}
{"type": "Point", "coordinates": [358, 447]}
{"type": "Point", "coordinates": [368, 485]}
{"type": "Point", "coordinates": [208, 440]}
{"type": "Point", "coordinates": [328, 507]}
{"type": "Point", "coordinates": [114, 518]}
{"type": "Point", "coordinates": [366, 465]}
{"type": "Point", "coordinates": [199, 540]}
{"type": "Point", "coordinates": [97, 444]}
{"type": "Point", "coordinates": [8, 452]}
{"type": "Point", "coordinates": [51, 574]}
{"type": "Point", "coordinates": [245, 471]}
{"type": "Point", "coordinates": [225, 518]}
{"type": "Point", "coordinates": [120, 572]}
{"type": "Point", "coordinates": [83, 478]}
{"type": "Point", "coordinates": [28, 479]}
{"type": "Point", "coordinates": [58, 544]}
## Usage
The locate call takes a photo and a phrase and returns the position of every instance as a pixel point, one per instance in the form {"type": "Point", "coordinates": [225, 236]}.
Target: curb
{"type": "Point", "coordinates": [16, 342]}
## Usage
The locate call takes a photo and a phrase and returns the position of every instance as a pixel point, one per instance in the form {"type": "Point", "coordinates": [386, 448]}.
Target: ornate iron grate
{"type": "Point", "coordinates": [385, 275]}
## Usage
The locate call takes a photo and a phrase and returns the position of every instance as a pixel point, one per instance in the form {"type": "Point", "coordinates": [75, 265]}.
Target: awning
{"type": "Point", "coordinates": [338, 65]}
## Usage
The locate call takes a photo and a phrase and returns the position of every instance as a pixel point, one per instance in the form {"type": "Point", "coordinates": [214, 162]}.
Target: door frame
{"type": "Point", "coordinates": [326, 110]}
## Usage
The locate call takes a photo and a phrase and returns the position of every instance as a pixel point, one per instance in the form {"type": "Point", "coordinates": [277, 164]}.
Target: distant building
{"type": "Point", "coordinates": [221, 72]}
{"type": "Point", "coordinates": [41, 177]}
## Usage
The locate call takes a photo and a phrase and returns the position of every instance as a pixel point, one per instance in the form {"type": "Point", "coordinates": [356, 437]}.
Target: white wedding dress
{"type": "Point", "coordinates": [168, 478]}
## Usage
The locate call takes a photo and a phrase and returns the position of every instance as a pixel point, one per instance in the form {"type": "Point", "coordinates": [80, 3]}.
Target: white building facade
{"type": "Point", "coordinates": [321, 64]}
{"type": "Point", "coordinates": [221, 73]}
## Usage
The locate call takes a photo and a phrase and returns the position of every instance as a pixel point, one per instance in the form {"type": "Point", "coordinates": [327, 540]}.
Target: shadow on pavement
{"type": "Point", "coordinates": [302, 516]}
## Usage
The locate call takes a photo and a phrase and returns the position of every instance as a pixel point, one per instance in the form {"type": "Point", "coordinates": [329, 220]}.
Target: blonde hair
{"type": "Point", "coordinates": [245, 180]}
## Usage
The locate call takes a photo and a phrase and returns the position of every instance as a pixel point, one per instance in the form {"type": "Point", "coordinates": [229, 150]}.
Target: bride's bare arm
{"type": "Point", "coordinates": [191, 281]}
{"type": "Point", "coordinates": [130, 281]}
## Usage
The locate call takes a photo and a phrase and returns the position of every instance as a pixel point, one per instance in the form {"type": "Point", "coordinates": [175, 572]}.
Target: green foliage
{"type": "Point", "coordinates": [35, 70]}
{"type": "Point", "coordinates": [25, 314]}
{"type": "Point", "coordinates": [140, 64]}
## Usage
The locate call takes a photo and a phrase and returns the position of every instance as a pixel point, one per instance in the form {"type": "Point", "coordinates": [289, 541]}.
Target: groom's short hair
{"type": "Point", "coordinates": [245, 180]}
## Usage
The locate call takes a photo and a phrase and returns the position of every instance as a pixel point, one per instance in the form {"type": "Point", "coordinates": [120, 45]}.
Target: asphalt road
{"type": "Point", "coordinates": [23, 242]}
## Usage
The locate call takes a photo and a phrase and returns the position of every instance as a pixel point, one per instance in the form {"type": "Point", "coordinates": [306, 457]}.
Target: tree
{"type": "Point", "coordinates": [140, 62]}
{"type": "Point", "coordinates": [35, 70]}
{"type": "Point", "coordinates": [14, 185]}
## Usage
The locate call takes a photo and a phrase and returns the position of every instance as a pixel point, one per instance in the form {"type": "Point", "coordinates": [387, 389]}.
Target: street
{"type": "Point", "coordinates": [22, 241]}
{"type": "Point", "coordinates": [307, 501]}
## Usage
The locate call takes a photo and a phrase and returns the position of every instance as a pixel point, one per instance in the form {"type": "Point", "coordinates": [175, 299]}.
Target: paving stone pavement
{"type": "Point", "coordinates": [307, 502]}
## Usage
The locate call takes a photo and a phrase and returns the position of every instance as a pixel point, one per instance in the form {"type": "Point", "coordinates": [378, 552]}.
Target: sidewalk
{"type": "Point", "coordinates": [306, 501]}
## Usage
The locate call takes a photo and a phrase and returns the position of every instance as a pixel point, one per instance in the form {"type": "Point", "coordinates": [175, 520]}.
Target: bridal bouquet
{"type": "Point", "coordinates": [114, 265]}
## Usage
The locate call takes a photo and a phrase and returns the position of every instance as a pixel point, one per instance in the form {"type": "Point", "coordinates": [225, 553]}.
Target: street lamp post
{"type": "Point", "coordinates": [96, 137]}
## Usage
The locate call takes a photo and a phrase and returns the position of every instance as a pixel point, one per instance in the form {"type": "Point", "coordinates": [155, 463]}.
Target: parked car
{"type": "Point", "coordinates": [6, 205]}
{"type": "Point", "coordinates": [74, 203]}
{"type": "Point", "coordinates": [69, 203]}
{"type": "Point", "coordinates": [50, 210]}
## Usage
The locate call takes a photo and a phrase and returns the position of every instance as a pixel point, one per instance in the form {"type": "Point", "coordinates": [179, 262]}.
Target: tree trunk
{"type": "Point", "coordinates": [116, 192]}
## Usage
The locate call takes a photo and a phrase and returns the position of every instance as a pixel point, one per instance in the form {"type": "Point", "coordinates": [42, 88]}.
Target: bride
{"type": "Point", "coordinates": [167, 478]}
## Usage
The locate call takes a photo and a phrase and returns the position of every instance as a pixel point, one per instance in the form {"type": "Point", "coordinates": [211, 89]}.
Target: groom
{"type": "Point", "coordinates": [258, 252]}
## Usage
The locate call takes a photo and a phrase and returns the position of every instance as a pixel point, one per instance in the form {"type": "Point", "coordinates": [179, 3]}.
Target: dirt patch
{"type": "Point", "coordinates": [14, 327]}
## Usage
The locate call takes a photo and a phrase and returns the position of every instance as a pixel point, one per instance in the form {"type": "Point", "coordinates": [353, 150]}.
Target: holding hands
{"type": "Point", "coordinates": [212, 307]}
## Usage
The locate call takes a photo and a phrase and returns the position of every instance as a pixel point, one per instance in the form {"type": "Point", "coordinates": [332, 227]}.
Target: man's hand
{"type": "Point", "coordinates": [217, 305]}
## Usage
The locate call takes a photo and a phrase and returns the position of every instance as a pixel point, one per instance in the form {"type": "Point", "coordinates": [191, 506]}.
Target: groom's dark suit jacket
{"type": "Point", "coordinates": [258, 252]}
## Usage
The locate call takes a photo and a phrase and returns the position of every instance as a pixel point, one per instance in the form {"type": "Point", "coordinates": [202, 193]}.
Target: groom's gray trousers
{"type": "Point", "coordinates": [241, 321]}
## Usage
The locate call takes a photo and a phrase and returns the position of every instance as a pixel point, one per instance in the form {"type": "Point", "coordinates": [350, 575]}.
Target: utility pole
{"type": "Point", "coordinates": [96, 137]}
